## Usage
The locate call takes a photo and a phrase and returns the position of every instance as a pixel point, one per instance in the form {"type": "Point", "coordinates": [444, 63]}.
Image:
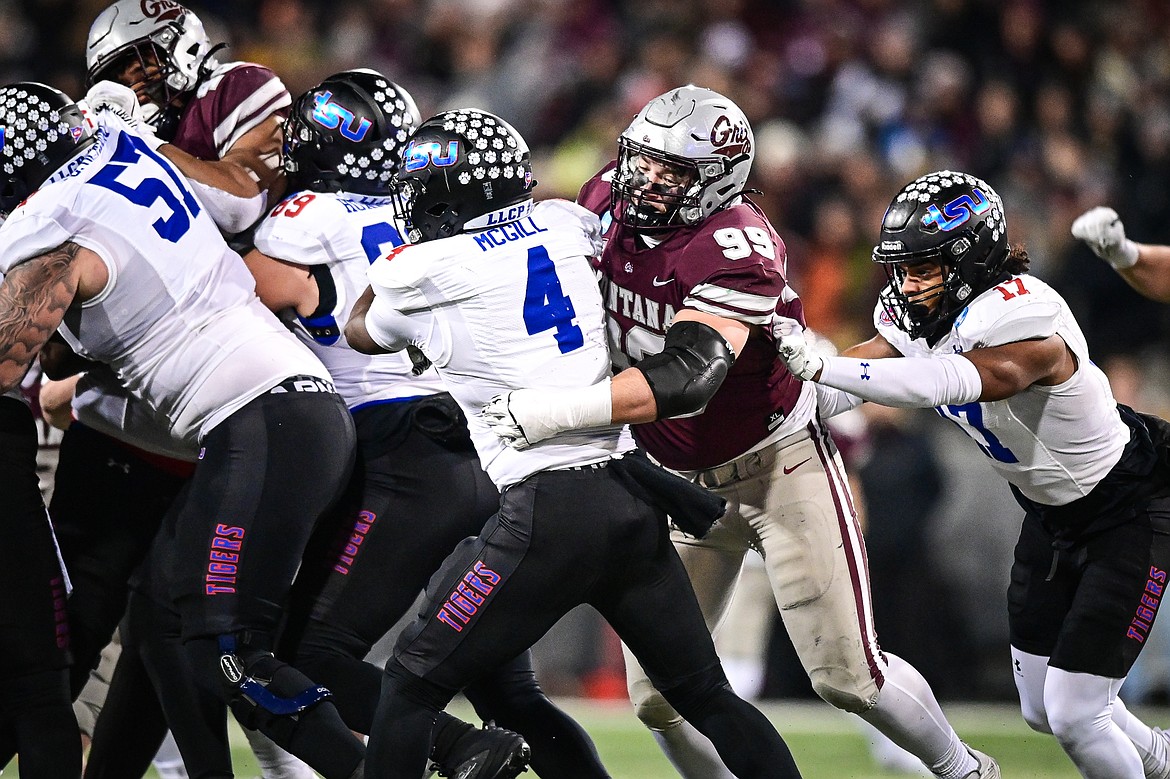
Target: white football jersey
{"type": "Point", "coordinates": [179, 321]}
{"type": "Point", "coordinates": [509, 307]}
{"type": "Point", "coordinates": [338, 235]}
{"type": "Point", "coordinates": [102, 404]}
{"type": "Point", "coordinates": [1053, 443]}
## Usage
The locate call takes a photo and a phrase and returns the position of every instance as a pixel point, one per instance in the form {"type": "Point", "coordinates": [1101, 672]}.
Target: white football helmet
{"type": "Point", "coordinates": [696, 133]}
{"type": "Point", "coordinates": [152, 31]}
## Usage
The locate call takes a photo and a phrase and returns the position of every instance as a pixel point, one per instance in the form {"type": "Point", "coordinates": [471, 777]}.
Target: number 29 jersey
{"type": "Point", "coordinates": [336, 235]}
{"type": "Point", "coordinates": [1053, 443]}
{"type": "Point", "coordinates": [731, 265]}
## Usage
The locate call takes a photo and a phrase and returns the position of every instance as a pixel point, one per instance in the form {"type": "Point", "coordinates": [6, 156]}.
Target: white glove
{"type": "Point", "coordinates": [802, 361]}
{"type": "Point", "coordinates": [1101, 229]}
{"type": "Point", "coordinates": [525, 417]}
{"type": "Point", "coordinates": [122, 101]}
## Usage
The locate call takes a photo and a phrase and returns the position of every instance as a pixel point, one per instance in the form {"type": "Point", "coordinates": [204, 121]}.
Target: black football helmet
{"type": "Point", "coordinates": [347, 133]}
{"type": "Point", "coordinates": [955, 220]}
{"type": "Point", "coordinates": [457, 169]}
{"type": "Point", "coordinates": [41, 129]}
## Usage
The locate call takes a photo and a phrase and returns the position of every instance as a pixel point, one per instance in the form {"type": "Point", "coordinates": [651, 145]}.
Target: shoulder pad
{"type": "Point", "coordinates": [1020, 309]}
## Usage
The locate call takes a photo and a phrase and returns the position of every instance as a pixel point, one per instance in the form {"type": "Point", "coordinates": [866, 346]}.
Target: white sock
{"type": "Point", "coordinates": [1079, 707]}
{"type": "Point", "coordinates": [908, 714]}
{"type": "Point", "coordinates": [691, 753]}
{"type": "Point", "coordinates": [274, 762]}
{"type": "Point", "coordinates": [1151, 746]}
{"type": "Point", "coordinates": [168, 762]}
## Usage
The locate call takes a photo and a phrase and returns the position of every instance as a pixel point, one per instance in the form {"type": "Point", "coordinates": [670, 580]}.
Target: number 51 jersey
{"type": "Point", "coordinates": [178, 320]}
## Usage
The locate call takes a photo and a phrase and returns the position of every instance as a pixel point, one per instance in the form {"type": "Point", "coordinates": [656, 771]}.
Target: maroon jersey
{"type": "Point", "coordinates": [237, 97]}
{"type": "Point", "coordinates": [730, 265]}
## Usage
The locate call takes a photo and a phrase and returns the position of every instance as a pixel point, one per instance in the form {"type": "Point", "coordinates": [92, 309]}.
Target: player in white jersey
{"type": "Point", "coordinates": [499, 293]}
{"type": "Point", "coordinates": [1145, 266]}
{"type": "Point", "coordinates": [105, 243]}
{"type": "Point", "coordinates": [418, 488]}
{"type": "Point", "coordinates": [963, 328]}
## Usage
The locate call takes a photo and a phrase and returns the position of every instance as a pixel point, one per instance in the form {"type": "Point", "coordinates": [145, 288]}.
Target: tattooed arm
{"type": "Point", "coordinates": [33, 299]}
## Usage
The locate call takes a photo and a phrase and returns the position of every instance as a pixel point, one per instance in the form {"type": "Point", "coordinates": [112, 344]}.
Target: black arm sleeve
{"type": "Point", "coordinates": [689, 370]}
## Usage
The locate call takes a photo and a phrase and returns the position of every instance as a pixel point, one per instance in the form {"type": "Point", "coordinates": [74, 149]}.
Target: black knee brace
{"type": "Point", "coordinates": [262, 687]}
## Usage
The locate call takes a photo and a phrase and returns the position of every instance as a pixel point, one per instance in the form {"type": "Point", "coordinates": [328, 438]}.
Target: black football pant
{"type": "Point", "coordinates": [108, 503]}
{"type": "Point", "coordinates": [266, 474]}
{"type": "Point", "coordinates": [36, 718]}
{"type": "Point", "coordinates": [562, 538]}
{"type": "Point", "coordinates": [417, 491]}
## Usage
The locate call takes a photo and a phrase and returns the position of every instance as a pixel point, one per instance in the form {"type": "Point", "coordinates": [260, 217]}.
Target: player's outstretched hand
{"type": "Point", "coordinates": [1101, 229]}
{"type": "Point", "coordinates": [112, 96]}
{"type": "Point", "coordinates": [500, 418]}
{"type": "Point", "coordinates": [802, 361]}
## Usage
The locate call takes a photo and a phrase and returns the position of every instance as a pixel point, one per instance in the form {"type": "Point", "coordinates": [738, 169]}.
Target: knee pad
{"type": "Point", "coordinates": [651, 708]}
{"type": "Point", "coordinates": [261, 688]}
{"type": "Point", "coordinates": [842, 691]}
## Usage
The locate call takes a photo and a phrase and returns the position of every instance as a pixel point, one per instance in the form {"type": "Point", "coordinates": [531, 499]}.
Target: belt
{"type": "Point", "coordinates": [303, 384]}
{"type": "Point", "coordinates": [586, 467]}
{"type": "Point", "coordinates": [744, 466]}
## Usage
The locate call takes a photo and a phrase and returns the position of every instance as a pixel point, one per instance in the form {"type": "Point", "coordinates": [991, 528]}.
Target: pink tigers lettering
{"type": "Point", "coordinates": [1143, 618]}
{"type": "Point", "coordinates": [361, 528]}
{"type": "Point", "coordinates": [223, 560]}
{"type": "Point", "coordinates": [469, 595]}
{"type": "Point", "coordinates": [60, 616]}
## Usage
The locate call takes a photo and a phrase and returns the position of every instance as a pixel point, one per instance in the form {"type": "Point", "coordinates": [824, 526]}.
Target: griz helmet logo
{"type": "Point", "coordinates": [957, 212]}
{"type": "Point", "coordinates": [163, 10]}
{"type": "Point", "coordinates": [729, 138]}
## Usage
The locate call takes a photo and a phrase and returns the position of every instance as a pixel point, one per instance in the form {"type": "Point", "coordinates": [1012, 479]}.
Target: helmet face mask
{"type": "Point", "coordinates": [41, 129]}
{"type": "Point", "coordinates": [159, 48]}
{"type": "Point", "coordinates": [955, 221]}
{"type": "Point", "coordinates": [347, 133]}
{"type": "Point", "coordinates": [706, 143]}
{"type": "Point", "coordinates": [462, 170]}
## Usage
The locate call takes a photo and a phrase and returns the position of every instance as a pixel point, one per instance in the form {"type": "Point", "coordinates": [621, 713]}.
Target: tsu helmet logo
{"type": "Point", "coordinates": [418, 155]}
{"type": "Point", "coordinates": [337, 117]}
{"type": "Point", "coordinates": [956, 212]}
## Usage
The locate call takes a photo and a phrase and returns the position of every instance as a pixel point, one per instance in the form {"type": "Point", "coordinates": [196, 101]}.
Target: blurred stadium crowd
{"type": "Point", "coordinates": [1059, 104]}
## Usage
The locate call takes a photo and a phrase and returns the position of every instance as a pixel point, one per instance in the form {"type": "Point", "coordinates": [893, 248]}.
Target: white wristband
{"type": "Point", "coordinates": [544, 413]}
{"type": "Point", "coordinates": [906, 382]}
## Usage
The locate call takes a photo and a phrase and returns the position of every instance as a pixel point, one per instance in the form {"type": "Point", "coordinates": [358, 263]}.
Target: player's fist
{"type": "Point", "coordinates": [112, 96]}
{"type": "Point", "coordinates": [802, 361]}
{"type": "Point", "coordinates": [1101, 229]}
{"type": "Point", "coordinates": [500, 420]}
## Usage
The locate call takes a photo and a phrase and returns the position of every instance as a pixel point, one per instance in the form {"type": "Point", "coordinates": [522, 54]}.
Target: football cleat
{"type": "Point", "coordinates": [488, 753]}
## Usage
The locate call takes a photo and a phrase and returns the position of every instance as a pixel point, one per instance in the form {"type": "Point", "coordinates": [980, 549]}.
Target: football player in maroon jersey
{"type": "Point", "coordinates": [692, 274]}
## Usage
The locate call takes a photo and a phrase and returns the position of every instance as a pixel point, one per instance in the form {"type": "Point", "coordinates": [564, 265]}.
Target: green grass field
{"type": "Point", "coordinates": [826, 743]}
